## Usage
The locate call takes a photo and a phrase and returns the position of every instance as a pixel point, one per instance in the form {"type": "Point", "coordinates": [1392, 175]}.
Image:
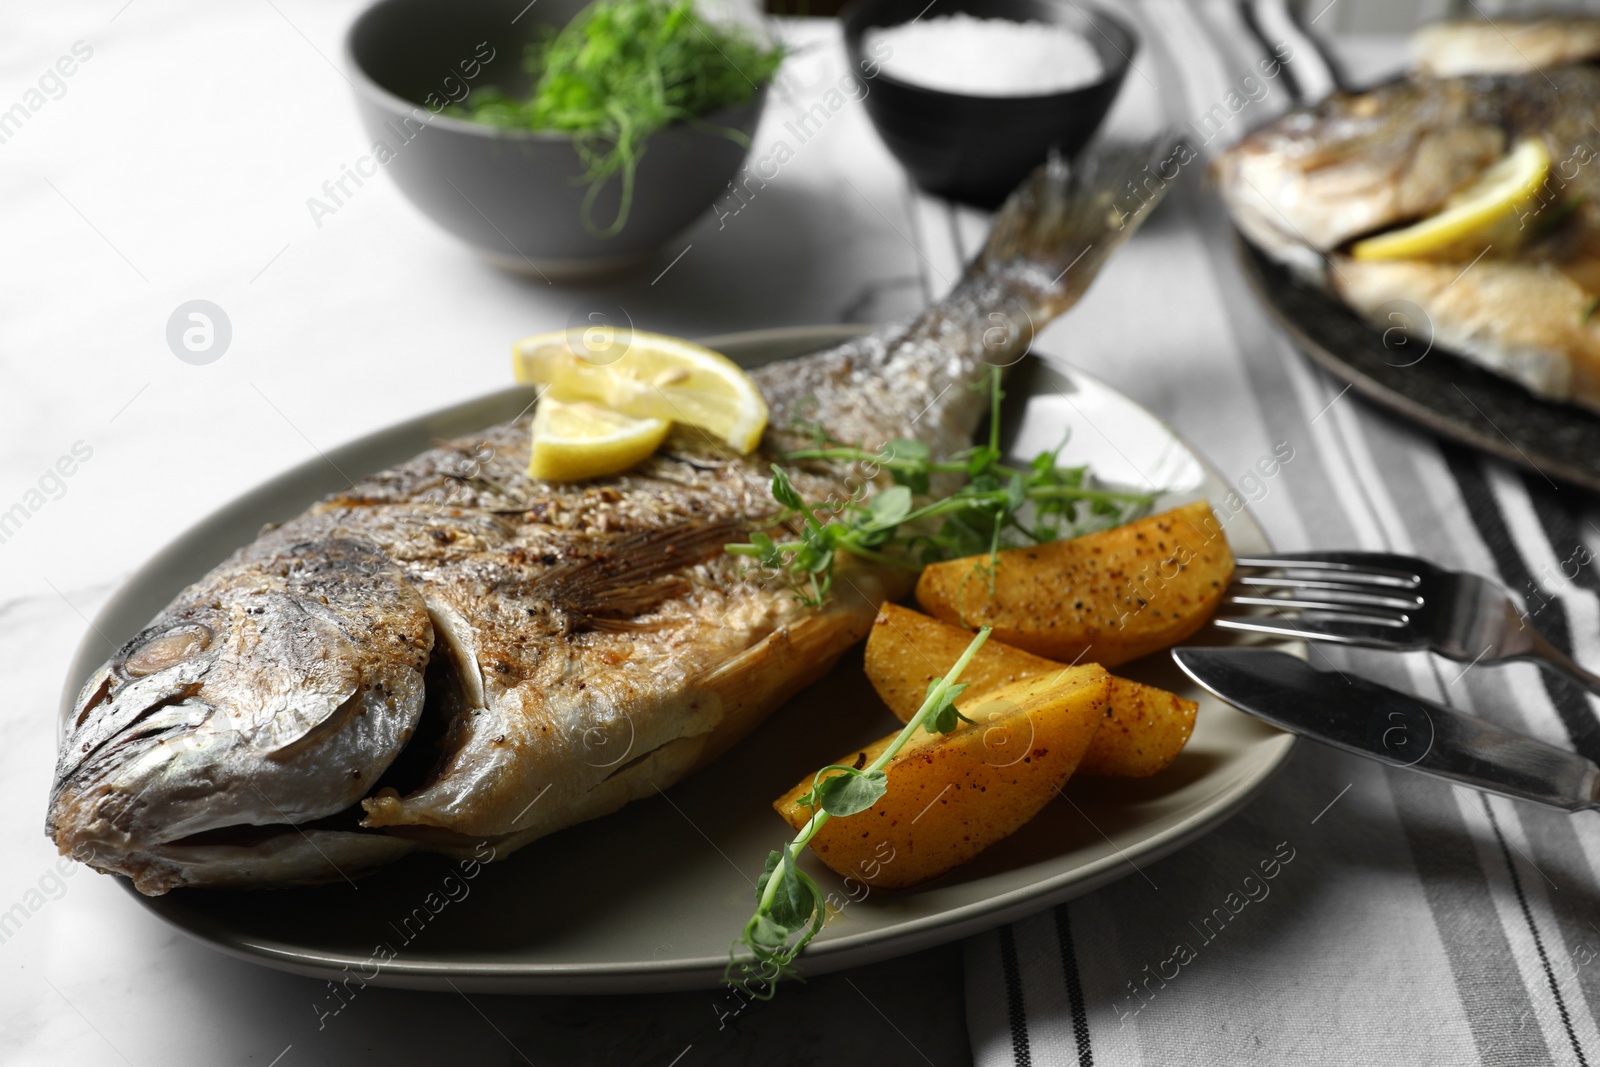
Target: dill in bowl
{"type": "Point", "coordinates": [620, 71]}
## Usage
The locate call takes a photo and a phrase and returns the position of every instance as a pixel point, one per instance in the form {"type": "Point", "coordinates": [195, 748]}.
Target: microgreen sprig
{"type": "Point", "coordinates": [620, 71]}
{"type": "Point", "coordinates": [860, 529]}
{"type": "Point", "coordinates": [789, 904]}
{"type": "Point", "coordinates": [998, 506]}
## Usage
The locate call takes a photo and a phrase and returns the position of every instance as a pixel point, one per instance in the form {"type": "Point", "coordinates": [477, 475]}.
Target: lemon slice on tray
{"type": "Point", "coordinates": [1493, 198]}
{"type": "Point", "coordinates": [576, 441]}
{"type": "Point", "coordinates": [647, 376]}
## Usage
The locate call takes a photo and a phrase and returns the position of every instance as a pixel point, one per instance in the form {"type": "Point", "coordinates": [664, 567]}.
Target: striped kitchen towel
{"type": "Point", "coordinates": [1352, 914]}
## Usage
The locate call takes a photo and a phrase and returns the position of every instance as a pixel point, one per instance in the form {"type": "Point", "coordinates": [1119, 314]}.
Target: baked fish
{"type": "Point", "coordinates": [449, 653]}
{"type": "Point", "coordinates": [1519, 299]}
{"type": "Point", "coordinates": [1505, 45]}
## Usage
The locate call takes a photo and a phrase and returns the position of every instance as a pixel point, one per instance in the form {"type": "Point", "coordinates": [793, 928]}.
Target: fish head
{"type": "Point", "coordinates": [1357, 162]}
{"type": "Point", "coordinates": [273, 693]}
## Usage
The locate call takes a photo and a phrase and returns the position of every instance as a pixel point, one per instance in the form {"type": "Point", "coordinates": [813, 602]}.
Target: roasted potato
{"type": "Point", "coordinates": [1105, 597]}
{"type": "Point", "coordinates": [1143, 730]}
{"type": "Point", "coordinates": [950, 796]}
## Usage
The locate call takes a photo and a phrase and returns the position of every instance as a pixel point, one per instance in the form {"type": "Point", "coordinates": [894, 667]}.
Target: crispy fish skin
{"type": "Point", "coordinates": [1525, 320]}
{"type": "Point", "coordinates": [1312, 180]}
{"type": "Point", "coordinates": [449, 653]}
{"type": "Point", "coordinates": [1526, 45]}
{"type": "Point", "coordinates": [1520, 300]}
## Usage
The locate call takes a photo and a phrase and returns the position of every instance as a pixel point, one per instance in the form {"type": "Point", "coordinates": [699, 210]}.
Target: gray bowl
{"type": "Point", "coordinates": [515, 197]}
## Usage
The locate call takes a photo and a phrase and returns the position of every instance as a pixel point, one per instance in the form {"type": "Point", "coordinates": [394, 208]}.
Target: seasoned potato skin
{"type": "Point", "coordinates": [1143, 729]}
{"type": "Point", "coordinates": [1106, 597]}
{"type": "Point", "coordinates": [953, 795]}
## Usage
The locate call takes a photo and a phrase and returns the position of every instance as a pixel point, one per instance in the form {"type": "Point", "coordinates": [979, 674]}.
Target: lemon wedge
{"type": "Point", "coordinates": [1493, 198]}
{"type": "Point", "coordinates": [576, 441]}
{"type": "Point", "coordinates": [647, 376]}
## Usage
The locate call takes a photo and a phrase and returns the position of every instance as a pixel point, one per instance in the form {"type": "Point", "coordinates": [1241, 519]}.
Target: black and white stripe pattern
{"type": "Point", "coordinates": [1417, 923]}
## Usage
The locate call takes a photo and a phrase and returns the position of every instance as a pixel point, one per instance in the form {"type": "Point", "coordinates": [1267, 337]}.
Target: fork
{"type": "Point", "coordinates": [1388, 601]}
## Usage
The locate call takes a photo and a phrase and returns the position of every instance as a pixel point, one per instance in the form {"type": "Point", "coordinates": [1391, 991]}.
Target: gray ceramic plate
{"type": "Point", "coordinates": [649, 898]}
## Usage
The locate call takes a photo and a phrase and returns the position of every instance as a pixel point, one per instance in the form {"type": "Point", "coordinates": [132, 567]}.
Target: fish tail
{"type": "Point", "coordinates": [1047, 244]}
{"type": "Point", "coordinates": [1061, 225]}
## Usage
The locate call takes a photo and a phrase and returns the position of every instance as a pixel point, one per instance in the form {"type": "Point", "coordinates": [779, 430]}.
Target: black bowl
{"type": "Point", "coordinates": [977, 149]}
{"type": "Point", "coordinates": [516, 196]}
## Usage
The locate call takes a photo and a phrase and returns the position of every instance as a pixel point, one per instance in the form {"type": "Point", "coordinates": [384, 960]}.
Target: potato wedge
{"type": "Point", "coordinates": [953, 795]}
{"type": "Point", "coordinates": [1143, 730]}
{"type": "Point", "coordinates": [1105, 597]}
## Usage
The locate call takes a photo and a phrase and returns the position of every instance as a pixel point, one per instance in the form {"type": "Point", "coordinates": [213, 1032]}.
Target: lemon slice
{"type": "Point", "coordinates": [648, 376]}
{"type": "Point", "coordinates": [1492, 198]}
{"type": "Point", "coordinates": [572, 442]}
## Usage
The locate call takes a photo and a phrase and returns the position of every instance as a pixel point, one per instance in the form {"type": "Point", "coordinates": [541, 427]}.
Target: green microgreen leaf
{"type": "Point", "coordinates": [1016, 493]}
{"type": "Point", "coordinates": [892, 505]}
{"type": "Point", "coordinates": [917, 481]}
{"type": "Point", "coordinates": [848, 792]}
{"type": "Point", "coordinates": [783, 490]}
{"type": "Point", "coordinates": [997, 507]}
{"type": "Point", "coordinates": [906, 451]}
{"type": "Point", "coordinates": [944, 716]}
{"type": "Point", "coordinates": [766, 551]}
{"type": "Point", "coordinates": [617, 73]}
{"type": "Point", "coordinates": [791, 905]}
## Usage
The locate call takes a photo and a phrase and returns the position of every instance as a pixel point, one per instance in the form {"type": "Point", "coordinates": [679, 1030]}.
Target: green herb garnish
{"type": "Point", "coordinates": [998, 507]}
{"type": "Point", "coordinates": [790, 907]}
{"type": "Point", "coordinates": [620, 71]}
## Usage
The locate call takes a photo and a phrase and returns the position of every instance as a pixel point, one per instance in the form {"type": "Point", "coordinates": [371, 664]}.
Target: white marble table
{"type": "Point", "coordinates": [175, 163]}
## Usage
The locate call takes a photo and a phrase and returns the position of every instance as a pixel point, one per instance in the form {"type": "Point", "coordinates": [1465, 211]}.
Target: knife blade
{"type": "Point", "coordinates": [1368, 719]}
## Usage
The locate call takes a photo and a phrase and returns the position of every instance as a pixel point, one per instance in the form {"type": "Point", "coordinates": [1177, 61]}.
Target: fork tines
{"type": "Point", "coordinates": [1393, 576]}
{"type": "Point", "coordinates": [1331, 592]}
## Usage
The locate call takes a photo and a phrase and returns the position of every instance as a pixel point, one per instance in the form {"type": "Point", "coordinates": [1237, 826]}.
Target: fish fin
{"type": "Point", "coordinates": [624, 577]}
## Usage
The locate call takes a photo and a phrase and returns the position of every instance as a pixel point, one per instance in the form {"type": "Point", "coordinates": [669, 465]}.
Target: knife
{"type": "Point", "coordinates": [1392, 727]}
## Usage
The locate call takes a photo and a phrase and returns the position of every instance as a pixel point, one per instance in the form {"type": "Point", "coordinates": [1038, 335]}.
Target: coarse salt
{"type": "Point", "coordinates": [985, 57]}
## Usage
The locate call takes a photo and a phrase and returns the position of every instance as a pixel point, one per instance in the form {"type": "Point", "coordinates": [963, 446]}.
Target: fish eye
{"type": "Point", "coordinates": [168, 650]}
